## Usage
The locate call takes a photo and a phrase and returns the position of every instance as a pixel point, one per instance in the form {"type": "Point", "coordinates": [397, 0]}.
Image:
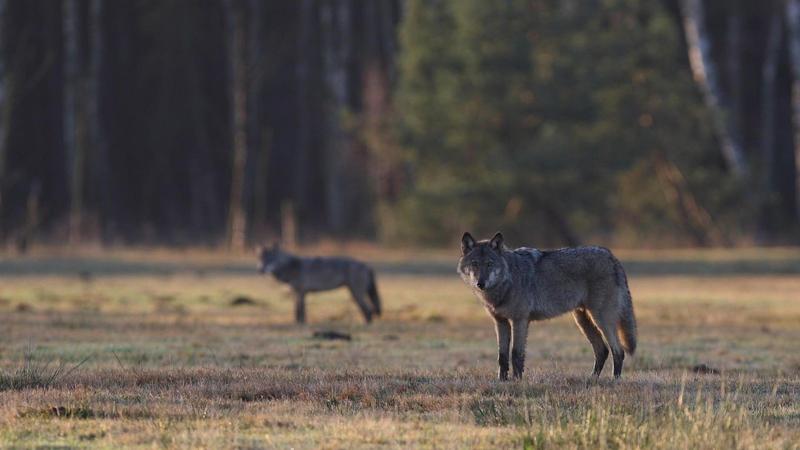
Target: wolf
{"type": "Point", "coordinates": [526, 284]}
{"type": "Point", "coordinates": [306, 275]}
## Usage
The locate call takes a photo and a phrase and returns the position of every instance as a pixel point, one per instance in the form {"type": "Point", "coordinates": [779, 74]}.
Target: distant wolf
{"type": "Point", "coordinates": [518, 286]}
{"type": "Point", "coordinates": [321, 274]}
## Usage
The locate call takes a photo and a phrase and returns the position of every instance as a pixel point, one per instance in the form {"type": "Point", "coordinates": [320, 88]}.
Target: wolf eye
{"type": "Point", "coordinates": [474, 263]}
{"type": "Point", "coordinates": [489, 264]}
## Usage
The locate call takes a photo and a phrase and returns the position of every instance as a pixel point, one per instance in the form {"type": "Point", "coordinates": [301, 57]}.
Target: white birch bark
{"type": "Point", "coordinates": [705, 75]}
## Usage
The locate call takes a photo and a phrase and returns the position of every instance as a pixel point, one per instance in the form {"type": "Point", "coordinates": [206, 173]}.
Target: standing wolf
{"type": "Point", "coordinates": [321, 274]}
{"type": "Point", "coordinates": [517, 286]}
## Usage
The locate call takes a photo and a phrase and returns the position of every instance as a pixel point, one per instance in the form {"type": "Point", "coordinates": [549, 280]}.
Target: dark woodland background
{"type": "Point", "coordinates": [185, 122]}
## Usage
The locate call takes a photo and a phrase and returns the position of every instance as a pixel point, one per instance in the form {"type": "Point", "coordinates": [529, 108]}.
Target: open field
{"type": "Point", "coordinates": [147, 350]}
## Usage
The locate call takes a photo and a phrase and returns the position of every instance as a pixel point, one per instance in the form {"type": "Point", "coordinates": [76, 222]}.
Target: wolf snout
{"type": "Point", "coordinates": [480, 285]}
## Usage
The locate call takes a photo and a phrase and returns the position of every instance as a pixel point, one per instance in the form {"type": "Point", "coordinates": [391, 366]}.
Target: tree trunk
{"type": "Point", "coordinates": [288, 225]}
{"type": "Point", "coordinates": [300, 176]}
{"type": "Point", "coordinates": [256, 69]}
{"type": "Point", "coordinates": [387, 39]}
{"type": "Point", "coordinates": [376, 97]}
{"type": "Point", "coordinates": [261, 185]}
{"type": "Point", "coordinates": [793, 26]}
{"type": "Point", "coordinates": [768, 151]}
{"type": "Point", "coordinates": [768, 89]}
{"type": "Point", "coordinates": [74, 116]}
{"type": "Point", "coordinates": [5, 110]}
{"type": "Point", "coordinates": [238, 92]}
{"type": "Point", "coordinates": [705, 74]}
{"type": "Point", "coordinates": [335, 18]}
{"type": "Point", "coordinates": [100, 159]}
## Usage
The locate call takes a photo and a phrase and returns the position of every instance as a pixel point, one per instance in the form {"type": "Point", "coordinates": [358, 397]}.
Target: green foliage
{"type": "Point", "coordinates": [536, 117]}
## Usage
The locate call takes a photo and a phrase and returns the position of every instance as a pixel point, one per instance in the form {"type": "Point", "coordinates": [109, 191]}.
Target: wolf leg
{"type": "Point", "coordinates": [595, 338]}
{"type": "Point", "coordinates": [519, 336]}
{"type": "Point", "coordinates": [300, 307]}
{"type": "Point", "coordinates": [503, 329]}
{"type": "Point", "coordinates": [606, 322]}
{"type": "Point", "coordinates": [358, 296]}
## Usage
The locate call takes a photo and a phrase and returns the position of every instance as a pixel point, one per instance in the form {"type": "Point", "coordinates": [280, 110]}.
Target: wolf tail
{"type": "Point", "coordinates": [372, 291]}
{"type": "Point", "coordinates": [626, 328]}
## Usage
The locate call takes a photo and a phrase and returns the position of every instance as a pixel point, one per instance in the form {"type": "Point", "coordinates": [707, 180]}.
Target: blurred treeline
{"type": "Point", "coordinates": [629, 122]}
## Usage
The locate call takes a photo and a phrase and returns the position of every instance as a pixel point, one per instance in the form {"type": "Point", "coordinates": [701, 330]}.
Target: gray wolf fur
{"type": "Point", "coordinates": [306, 275]}
{"type": "Point", "coordinates": [526, 284]}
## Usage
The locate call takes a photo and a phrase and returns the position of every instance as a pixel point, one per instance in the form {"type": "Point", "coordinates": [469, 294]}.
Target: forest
{"type": "Point", "coordinates": [231, 122]}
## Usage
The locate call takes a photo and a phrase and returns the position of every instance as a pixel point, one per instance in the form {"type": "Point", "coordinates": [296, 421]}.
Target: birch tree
{"type": "Point", "coordinates": [705, 73]}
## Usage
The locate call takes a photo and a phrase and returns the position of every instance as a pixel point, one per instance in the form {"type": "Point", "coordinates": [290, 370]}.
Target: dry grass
{"type": "Point", "coordinates": [171, 363]}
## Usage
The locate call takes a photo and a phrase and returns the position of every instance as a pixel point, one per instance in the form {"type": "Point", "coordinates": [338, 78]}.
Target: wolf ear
{"type": "Point", "coordinates": [497, 242]}
{"type": "Point", "coordinates": [467, 243]}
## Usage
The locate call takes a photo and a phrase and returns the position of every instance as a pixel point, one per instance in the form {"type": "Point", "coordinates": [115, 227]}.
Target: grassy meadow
{"type": "Point", "coordinates": [194, 350]}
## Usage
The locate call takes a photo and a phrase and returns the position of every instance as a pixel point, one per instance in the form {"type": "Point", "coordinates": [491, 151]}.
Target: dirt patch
{"type": "Point", "coordinates": [704, 369]}
{"type": "Point", "coordinates": [242, 301]}
{"type": "Point", "coordinates": [331, 335]}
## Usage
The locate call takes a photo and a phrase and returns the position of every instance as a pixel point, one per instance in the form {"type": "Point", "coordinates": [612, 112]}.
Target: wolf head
{"type": "Point", "coordinates": [482, 265]}
{"type": "Point", "coordinates": [270, 258]}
